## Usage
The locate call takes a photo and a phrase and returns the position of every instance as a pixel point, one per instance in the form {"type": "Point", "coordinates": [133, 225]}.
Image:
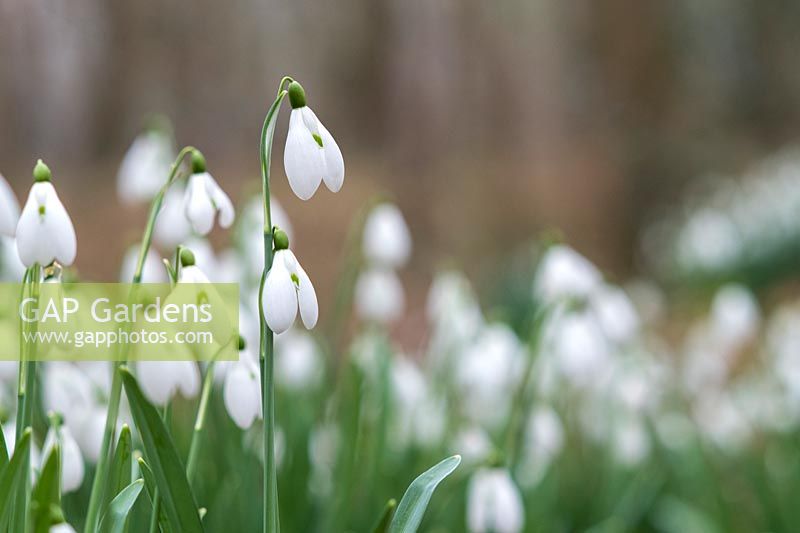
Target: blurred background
{"type": "Point", "coordinates": [489, 122]}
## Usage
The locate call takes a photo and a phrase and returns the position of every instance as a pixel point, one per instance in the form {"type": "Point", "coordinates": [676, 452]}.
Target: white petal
{"type": "Point", "coordinates": [172, 226]}
{"type": "Point", "coordinates": [59, 225]}
{"type": "Point", "coordinates": [379, 296]}
{"type": "Point", "coordinates": [144, 168]}
{"type": "Point", "coordinates": [334, 163]}
{"type": "Point", "coordinates": [221, 201]}
{"type": "Point", "coordinates": [279, 297]}
{"type": "Point", "coordinates": [387, 240]}
{"type": "Point", "coordinates": [303, 159]}
{"type": "Point", "coordinates": [72, 467]}
{"type": "Point", "coordinates": [242, 394]}
{"type": "Point", "coordinates": [61, 528]}
{"type": "Point", "coordinates": [188, 378]}
{"type": "Point", "coordinates": [156, 380]}
{"type": "Point", "coordinates": [42, 237]}
{"type": "Point", "coordinates": [307, 299]}
{"type": "Point", "coordinates": [9, 209]}
{"type": "Point", "coordinates": [198, 206]}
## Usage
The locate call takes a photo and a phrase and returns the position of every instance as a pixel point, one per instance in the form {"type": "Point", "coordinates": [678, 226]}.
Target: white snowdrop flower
{"type": "Point", "coordinates": [204, 198]}
{"type": "Point", "coordinates": [579, 346]}
{"type": "Point", "coordinates": [45, 232]}
{"type": "Point", "coordinates": [323, 447]}
{"type": "Point", "coordinates": [11, 268]}
{"type": "Point", "coordinates": [66, 390]}
{"type": "Point", "coordinates": [735, 315]}
{"type": "Point", "coordinates": [152, 272]}
{"type": "Point", "coordinates": [379, 296]}
{"type": "Point", "coordinates": [172, 226]}
{"type": "Point", "coordinates": [544, 439]}
{"type": "Point", "coordinates": [88, 428]}
{"type": "Point", "coordinates": [631, 442]}
{"type": "Point", "coordinates": [472, 444]}
{"type": "Point", "coordinates": [63, 527]}
{"type": "Point", "coordinates": [494, 503]}
{"type": "Point", "coordinates": [203, 255]}
{"type": "Point", "coordinates": [286, 289]}
{"type": "Point", "coordinates": [161, 380]}
{"type": "Point", "coordinates": [9, 209]}
{"type": "Point", "coordinates": [311, 155]}
{"type": "Point", "coordinates": [72, 467]}
{"type": "Point", "coordinates": [563, 273]}
{"type": "Point", "coordinates": [242, 392]}
{"type": "Point", "coordinates": [298, 363]}
{"type": "Point", "coordinates": [616, 313]}
{"type": "Point", "coordinates": [145, 167]}
{"type": "Point", "coordinates": [387, 241]}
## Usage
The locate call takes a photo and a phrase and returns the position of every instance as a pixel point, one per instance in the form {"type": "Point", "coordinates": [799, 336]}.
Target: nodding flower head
{"type": "Point", "coordinates": [44, 231]}
{"type": "Point", "coordinates": [147, 162]}
{"type": "Point", "coordinates": [311, 155]}
{"type": "Point", "coordinates": [286, 289]}
{"type": "Point", "coordinates": [204, 198]}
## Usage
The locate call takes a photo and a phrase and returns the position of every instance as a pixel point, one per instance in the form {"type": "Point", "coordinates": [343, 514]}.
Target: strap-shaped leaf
{"type": "Point", "coordinates": [382, 526]}
{"type": "Point", "coordinates": [412, 507]}
{"type": "Point", "coordinates": [150, 486]}
{"type": "Point", "coordinates": [46, 498]}
{"type": "Point", "coordinates": [14, 474]}
{"type": "Point", "coordinates": [3, 451]}
{"type": "Point", "coordinates": [119, 474]}
{"type": "Point", "coordinates": [120, 507]}
{"type": "Point", "coordinates": [175, 495]}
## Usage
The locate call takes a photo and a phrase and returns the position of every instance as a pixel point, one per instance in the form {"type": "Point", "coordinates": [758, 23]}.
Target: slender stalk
{"type": "Point", "coordinates": [93, 512]}
{"type": "Point", "coordinates": [271, 520]}
{"type": "Point", "coordinates": [199, 423]}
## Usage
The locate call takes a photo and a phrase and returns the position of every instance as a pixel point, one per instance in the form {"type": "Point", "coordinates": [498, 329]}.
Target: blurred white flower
{"type": "Point", "coordinates": [311, 155]}
{"type": "Point", "coordinates": [153, 270]}
{"type": "Point", "coordinates": [88, 428]}
{"type": "Point", "coordinates": [722, 421]}
{"type": "Point", "coordinates": [63, 527]}
{"type": "Point", "coordinates": [66, 390]}
{"type": "Point", "coordinates": [735, 316]}
{"type": "Point", "coordinates": [286, 289]}
{"type": "Point", "coordinates": [579, 346]}
{"type": "Point", "coordinates": [203, 199]}
{"type": "Point", "coordinates": [323, 447]}
{"type": "Point", "coordinates": [72, 467]}
{"type": "Point", "coordinates": [563, 273]}
{"type": "Point", "coordinates": [473, 444]}
{"type": "Point", "coordinates": [710, 240]}
{"type": "Point", "coordinates": [45, 232]}
{"type": "Point", "coordinates": [172, 226]}
{"type": "Point", "coordinates": [11, 268]}
{"type": "Point", "coordinates": [298, 363]}
{"type": "Point", "coordinates": [387, 241]}
{"type": "Point", "coordinates": [631, 442]}
{"type": "Point", "coordinates": [616, 313]}
{"type": "Point", "coordinates": [494, 503]}
{"type": "Point", "coordinates": [242, 391]}
{"type": "Point", "coordinates": [9, 209]}
{"type": "Point", "coordinates": [379, 296]}
{"type": "Point", "coordinates": [544, 439]}
{"type": "Point", "coordinates": [161, 380]}
{"type": "Point", "coordinates": [145, 167]}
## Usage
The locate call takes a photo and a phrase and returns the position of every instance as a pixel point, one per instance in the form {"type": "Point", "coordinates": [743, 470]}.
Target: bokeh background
{"type": "Point", "coordinates": [488, 122]}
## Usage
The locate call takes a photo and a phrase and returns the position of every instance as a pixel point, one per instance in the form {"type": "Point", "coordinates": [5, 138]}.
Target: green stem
{"type": "Point", "coordinates": [191, 462]}
{"type": "Point", "coordinates": [100, 476]}
{"type": "Point", "coordinates": [271, 519]}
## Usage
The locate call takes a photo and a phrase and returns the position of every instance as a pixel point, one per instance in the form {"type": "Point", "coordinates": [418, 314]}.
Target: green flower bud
{"type": "Point", "coordinates": [41, 172]}
{"type": "Point", "coordinates": [280, 239]}
{"type": "Point", "coordinates": [187, 257]}
{"type": "Point", "coordinates": [297, 96]}
{"type": "Point", "coordinates": [198, 162]}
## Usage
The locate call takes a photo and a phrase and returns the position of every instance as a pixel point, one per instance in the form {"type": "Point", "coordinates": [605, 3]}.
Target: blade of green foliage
{"type": "Point", "coordinates": [150, 485]}
{"type": "Point", "coordinates": [174, 492]}
{"type": "Point", "coordinates": [119, 508]}
{"type": "Point", "coordinates": [119, 474]}
{"type": "Point", "coordinates": [412, 507]}
{"type": "Point", "coordinates": [46, 498]}
{"type": "Point", "coordinates": [386, 517]}
{"type": "Point", "coordinates": [3, 451]}
{"type": "Point", "coordinates": [13, 474]}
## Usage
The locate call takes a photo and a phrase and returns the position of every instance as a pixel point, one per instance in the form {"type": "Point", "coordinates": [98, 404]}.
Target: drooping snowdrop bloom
{"type": "Point", "coordinates": [563, 273]}
{"type": "Point", "coordinates": [544, 439]}
{"type": "Point", "coordinates": [172, 226]}
{"type": "Point", "coordinates": [387, 241]}
{"type": "Point", "coordinates": [204, 198]}
{"type": "Point", "coordinates": [72, 467]}
{"type": "Point", "coordinates": [286, 289]}
{"type": "Point", "coordinates": [152, 272]}
{"type": "Point", "coordinates": [63, 527]}
{"type": "Point", "coordinates": [242, 391]}
{"type": "Point", "coordinates": [494, 503]}
{"type": "Point", "coordinates": [379, 296]}
{"type": "Point", "coordinates": [145, 167]}
{"type": "Point", "coordinates": [9, 209]}
{"type": "Point", "coordinates": [45, 232]}
{"type": "Point", "coordinates": [311, 155]}
{"type": "Point", "coordinates": [298, 364]}
{"type": "Point", "coordinates": [161, 380]}
{"type": "Point", "coordinates": [66, 390]}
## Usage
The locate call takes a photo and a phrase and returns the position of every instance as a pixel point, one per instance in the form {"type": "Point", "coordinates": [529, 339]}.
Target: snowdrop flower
{"type": "Point", "coordinates": [494, 503]}
{"type": "Point", "coordinates": [735, 316]}
{"type": "Point", "coordinates": [379, 296]}
{"type": "Point", "coordinates": [286, 289]}
{"type": "Point", "coordinates": [616, 313]}
{"type": "Point", "coordinates": [63, 527]}
{"type": "Point", "coordinates": [9, 209]}
{"type": "Point", "coordinates": [579, 345]}
{"type": "Point", "coordinates": [563, 273]}
{"type": "Point", "coordinates": [44, 231]}
{"type": "Point", "coordinates": [11, 268]}
{"type": "Point", "coordinates": [145, 167]}
{"type": "Point", "coordinates": [66, 390]}
{"type": "Point", "coordinates": [242, 390]}
{"type": "Point", "coordinates": [161, 380]}
{"type": "Point", "coordinates": [387, 241]}
{"type": "Point", "coordinates": [72, 467]}
{"type": "Point", "coordinates": [172, 227]}
{"type": "Point", "coordinates": [204, 198]}
{"type": "Point", "coordinates": [298, 364]}
{"type": "Point", "coordinates": [311, 155]}
{"type": "Point", "coordinates": [153, 271]}
{"type": "Point", "coordinates": [544, 439]}
{"type": "Point", "coordinates": [631, 442]}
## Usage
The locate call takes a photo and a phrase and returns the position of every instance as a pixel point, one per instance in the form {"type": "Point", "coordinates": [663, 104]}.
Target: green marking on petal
{"type": "Point", "coordinates": [295, 280]}
{"type": "Point", "coordinates": [318, 139]}
{"type": "Point", "coordinates": [41, 210]}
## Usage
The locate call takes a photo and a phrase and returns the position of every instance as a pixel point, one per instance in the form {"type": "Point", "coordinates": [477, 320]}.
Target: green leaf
{"type": "Point", "coordinates": [174, 492]}
{"type": "Point", "coordinates": [46, 498]}
{"type": "Point", "coordinates": [120, 507]}
{"type": "Point", "coordinates": [150, 485]}
{"type": "Point", "coordinates": [3, 451]}
{"type": "Point", "coordinates": [386, 517]}
{"type": "Point", "coordinates": [412, 507]}
{"type": "Point", "coordinates": [14, 474]}
{"type": "Point", "coordinates": [119, 474]}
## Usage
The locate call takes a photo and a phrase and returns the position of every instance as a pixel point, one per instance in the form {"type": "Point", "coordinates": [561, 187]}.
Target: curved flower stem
{"type": "Point", "coordinates": [271, 520]}
{"type": "Point", "coordinates": [92, 514]}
